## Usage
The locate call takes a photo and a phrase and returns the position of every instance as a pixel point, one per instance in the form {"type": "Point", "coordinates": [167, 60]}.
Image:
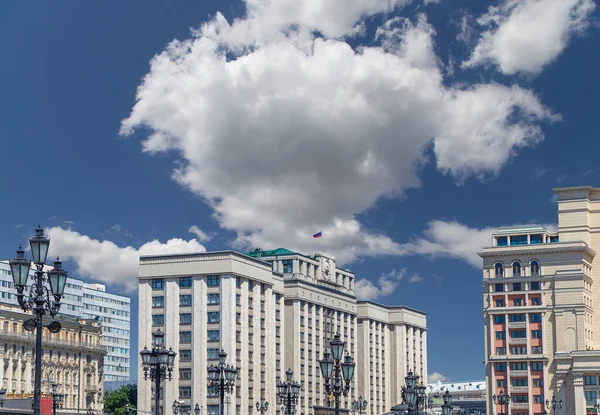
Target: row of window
{"type": "Point", "coordinates": [186, 282]}
{"type": "Point", "coordinates": [212, 336]}
{"type": "Point", "coordinates": [518, 302]}
{"type": "Point", "coordinates": [537, 382]}
{"type": "Point", "coordinates": [517, 286]}
{"type": "Point", "coordinates": [501, 351]}
{"type": "Point", "coordinates": [534, 268]}
{"type": "Point", "coordinates": [515, 318]}
{"type": "Point", "coordinates": [535, 366]}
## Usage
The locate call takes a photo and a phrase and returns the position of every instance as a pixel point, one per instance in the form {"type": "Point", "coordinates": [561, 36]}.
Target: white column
{"type": "Point", "coordinates": [199, 344]}
{"type": "Point", "coordinates": [579, 396]}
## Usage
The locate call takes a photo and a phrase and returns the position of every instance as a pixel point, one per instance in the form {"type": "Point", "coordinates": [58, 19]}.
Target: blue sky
{"type": "Point", "coordinates": [405, 130]}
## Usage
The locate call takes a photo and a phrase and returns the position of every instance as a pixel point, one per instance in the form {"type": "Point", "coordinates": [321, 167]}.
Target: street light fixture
{"type": "Point", "coordinates": [158, 364]}
{"type": "Point", "coordinates": [57, 398]}
{"type": "Point", "coordinates": [222, 378]}
{"type": "Point", "coordinates": [447, 406]}
{"type": "Point", "coordinates": [288, 393]}
{"type": "Point", "coordinates": [360, 405]}
{"type": "Point", "coordinates": [177, 407]}
{"type": "Point", "coordinates": [38, 299]}
{"type": "Point", "coordinates": [197, 409]}
{"type": "Point", "coordinates": [554, 404]}
{"type": "Point", "coordinates": [413, 395]}
{"type": "Point", "coordinates": [503, 400]}
{"type": "Point", "coordinates": [337, 374]}
{"type": "Point", "coordinates": [2, 397]}
{"type": "Point", "coordinates": [262, 405]}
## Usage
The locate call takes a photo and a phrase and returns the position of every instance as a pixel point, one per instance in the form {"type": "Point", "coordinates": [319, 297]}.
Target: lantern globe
{"type": "Point", "coordinates": [57, 278]}
{"type": "Point", "coordinates": [197, 409]}
{"type": "Point", "coordinates": [326, 365]}
{"type": "Point", "coordinates": [288, 374]}
{"type": "Point", "coordinates": [39, 246]}
{"type": "Point", "coordinates": [145, 356]}
{"type": "Point", "coordinates": [348, 368]}
{"type": "Point", "coordinates": [172, 355]}
{"type": "Point", "coordinates": [158, 338]}
{"type": "Point", "coordinates": [337, 347]}
{"type": "Point", "coordinates": [222, 357]}
{"type": "Point", "coordinates": [19, 268]}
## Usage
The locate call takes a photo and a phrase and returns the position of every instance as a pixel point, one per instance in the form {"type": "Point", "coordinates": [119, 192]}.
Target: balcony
{"type": "Point", "coordinates": [519, 405]}
{"type": "Point", "coordinates": [517, 324]}
{"type": "Point", "coordinates": [518, 373]}
{"type": "Point", "coordinates": [519, 389]}
{"type": "Point", "coordinates": [517, 341]}
{"type": "Point", "coordinates": [91, 389]}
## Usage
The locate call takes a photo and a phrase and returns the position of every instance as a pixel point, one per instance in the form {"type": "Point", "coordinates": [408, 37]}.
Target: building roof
{"type": "Point", "coordinates": [454, 387]}
{"type": "Point", "coordinates": [259, 253]}
{"type": "Point", "coordinates": [390, 307]}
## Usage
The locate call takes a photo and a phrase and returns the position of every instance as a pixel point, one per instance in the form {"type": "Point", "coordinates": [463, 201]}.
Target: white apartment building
{"type": "Point", "coordinates": [246, 304]}
{"type": "Point", "coordinates": [392, 341]}
{"type": "Point", "coordinates": [539, 298]}
{"type": "Point", "coordinates": [91, 301]}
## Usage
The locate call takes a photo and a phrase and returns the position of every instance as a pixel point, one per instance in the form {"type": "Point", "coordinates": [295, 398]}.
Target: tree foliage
{"type": "Point", "coordinates": [116, 400]}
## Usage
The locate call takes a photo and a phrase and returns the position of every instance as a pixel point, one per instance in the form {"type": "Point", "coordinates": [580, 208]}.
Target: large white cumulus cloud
{"type": "Point", "coordinates": [286, 133]}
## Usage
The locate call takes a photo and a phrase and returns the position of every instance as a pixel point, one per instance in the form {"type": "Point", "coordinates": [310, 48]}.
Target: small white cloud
{"type": "Point", "coordinates": [561, 178]}
{"type": "Point", "coordinates": [538, 173]}
{"type": "Point", "coordinates": [386, 285]}
{"type": "Point", "coordinates": [415, 278]}
{"type": "Point", "coordinates": [201, 235]}
{"type": "Point", "coordinates": [523, 36]}
{"type": "Point", "coordinates": [437, 377]}
{"type": "Point", "coordinates": [588, 172]}
{"type": "Point", "coordinates": [118, 229]}
{"type": "Point", "coordinates": [105, 261]}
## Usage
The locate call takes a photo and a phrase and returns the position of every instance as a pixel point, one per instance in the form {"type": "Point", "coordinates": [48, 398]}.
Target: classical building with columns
{"type": "Point", "coordinates": [73, 358]}
{"type": "Point", "coordinates": [270, 311]}
{"type": "Point", "coordinates": [539, 297]}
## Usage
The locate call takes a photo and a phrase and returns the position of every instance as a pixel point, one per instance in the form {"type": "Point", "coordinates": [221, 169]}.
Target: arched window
{"type": "Point", "coordinates": [499, 270]}
{"type": "Point", "coordinates": [535, 268]}
{"type": "Point", "coordinates": [516, 269]}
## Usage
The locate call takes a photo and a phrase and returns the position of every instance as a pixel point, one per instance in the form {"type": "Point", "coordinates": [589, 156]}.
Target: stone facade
{"type": "Point", "coordinates": [73, 358]}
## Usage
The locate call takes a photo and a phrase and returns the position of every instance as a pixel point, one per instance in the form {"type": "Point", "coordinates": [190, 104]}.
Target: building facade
{"type": "Point", "coordinates": [539, 297]}
{"type": "Point", "coordinates": [73, 358]}
{"type": "Point", "coordinates": [392, 341]}
{"type": "Point", "coordinates": [91, 301]}
{"type": "Point", "coordinates": [270, 311]}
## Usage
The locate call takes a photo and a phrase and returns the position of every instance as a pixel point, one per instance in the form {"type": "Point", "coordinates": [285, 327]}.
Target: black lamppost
{"type": "Point", "coordinates": [288, 392]}
{"type": "Point", "coordinates": [57, 398]}
{"type": "Point", "coordinates": [447, 406]}
{"type": "Point", "coordinates": [360, 405]}
{"type": "Point", "coordinates": [2, 397]}
{"type": "Point", "coordinates": [197, 409]}
{"type": "Point", "coordinates": [422, 400]}
{"type": "Point", "coordinates": [38, 299]}
{"type": "Point", "coordinates": [503, 400]}
{"type": "Point", "coordinates": [337, 375]}
{"type": "Point", "coordinates": [410, 394]}
{"type": "Point", "coordinates": [262, 405]}
{"type": "Point", "coordinates": [158, 364]}
{"type": "Point", "coordinates": [554, 404]}
{"type": "Point", "coordinates": [222, 378]}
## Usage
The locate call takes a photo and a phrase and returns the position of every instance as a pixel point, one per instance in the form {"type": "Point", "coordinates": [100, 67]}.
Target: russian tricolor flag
{"type": "Point", "coordinates": [318, 234]}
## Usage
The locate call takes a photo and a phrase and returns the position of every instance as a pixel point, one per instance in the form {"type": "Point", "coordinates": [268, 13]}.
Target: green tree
{"type": "Point", "coordinates": [116, 400]}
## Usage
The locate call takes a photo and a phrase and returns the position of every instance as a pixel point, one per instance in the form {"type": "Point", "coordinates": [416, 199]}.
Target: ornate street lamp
{"type": "Point", "coordinates": [262, 405]}
{"type": "Point", "coordinates": [503, 400]}
{"type": "Point", "coordinates": [360, 405]}
{"type": "Point", "coordinates": [158, 364]}
{"type": "Point", "coordinates": [447, 406]}
{"type": "Point", "coordinates": [2, 397]}
{"type": "Point", "coordinates": [57, 398]}
{"type": "Point", "coordinates": [222, 378]}
{"type": "Point", "coordinates": [554, 404]}
{"type": "Point", "coordinates": [413, 395]}
{"type": "Point", "coordinates": [38, 299]}
{"type": "Point", "coordinates": [177, 407]}
{"type": "Point", "coordinates": [197, 409]}
{"type": "Point", "coordinates": [337, 374]}
{"type": "Point", "coordinates": [288, 393]}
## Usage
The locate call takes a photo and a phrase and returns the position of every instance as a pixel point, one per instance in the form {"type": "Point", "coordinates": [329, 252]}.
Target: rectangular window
{"type": "Point", "coordinates": [536, 334]}
{"type": "Point", "coordinates": [499, 303]}
{"type": "Point", "coordinates": [185, 392]}
{"type": "Point", "coordinates": [590, 380]}
{"type": "Point", "coordinates": [590, 398]}
{"type": "Point", "coordinates": [287, 265]}
{"type": "Point", "coordinates": [501, 241]}
{"type": "Point", "coordinates": [500, 367]}
{"type": "Point", "coordinates": [516, 286]}
{"type": "Point", "coordinates": [213, 316]}
{"type": "Point", "coordinates": [238, 299]}
{"type": "Point", "coordinates": [185, 373]}
{"type": "Point", "coordinates": [517, 302]}
{"type": "Point", "coordinates": [249, 302]}
{"type": "Point", "coordinates": [499, 319]}
{"type": "Point", "coordinates": [513, 318]}
{"type": "Point", "coordinates": [158, 319]}
{"type": "Point", "coordinates": [185, 318]}
{"type": "Point", "coordinates": [535, 239]}
{"type": "Point", "coordinates": [214, 298]}
{"type": "Point", "coordinates": [185, 300]}
{"type": "Point", "coordinates": [536, 350]}
{"type": "Point", "coordinates": [499, 287]}
{"type": "Point", "coordinates": [185, 337]}
{"type": "Point", "coordinates": [213, 280]}
{"type": "Point", "coordinates": [535, 317]}
{"type": "Point", "coordinates": [538, 382]}
{"type": "Point", "coordinates": [185, 355]}
{"type": "Point", "coordinates": [518, 334]}
{"type": "Point", "coordinates": [518, 240]}
{"type": "Point", "coordinates": [213, 335]}
{"type": "Point", "coordinates": [213, 354]}
{"type": "Point", "coordinates": [158, 284]}
{"type": "Point", "coordinates": [535, 300]}
{"type": "Point", "coordinates": [500, 335]}
{"type": "Point", "coordinates": [185, 282]}
{"type": "Point", "coordinates": [158, 301]}
{"type": "Point", "coordinates": [537, 366]}
{"type": "Point", "coordinates": [500, 351]}
{"type": "Point", "coordinates": [238, 282]}
{"type": "Point", "coordinates": [535, 285]}
{"type": "Point", "coordinates": [501, 383]}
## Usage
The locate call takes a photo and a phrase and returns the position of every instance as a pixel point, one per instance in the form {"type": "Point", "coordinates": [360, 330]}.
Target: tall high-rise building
{"type": "Point", "coordinates": [91, 301]}
{"type": "Point", "coordinates": [270, 311]}
{"type": "Point", "coordinates": [539, 297]}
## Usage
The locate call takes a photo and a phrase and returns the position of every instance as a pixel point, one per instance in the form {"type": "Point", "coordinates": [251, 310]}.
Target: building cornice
{"type": "Point", "coordinates": [200, 256]}
{"type": "Point", "coordinates": [549, 248]}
